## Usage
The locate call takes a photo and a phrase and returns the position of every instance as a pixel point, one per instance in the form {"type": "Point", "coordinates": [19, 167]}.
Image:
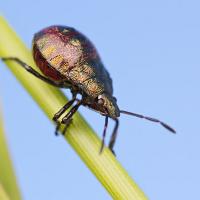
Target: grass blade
{"type": "Point", "coordinates": [8, 184]}
{"type": "Point", "coordinates": [3, 194]}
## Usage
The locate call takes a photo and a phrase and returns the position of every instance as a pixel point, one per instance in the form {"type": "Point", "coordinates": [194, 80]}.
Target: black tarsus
{"type": "Point", "coordinates": [61, 84]}
{"type": "Point", "coordinates": [104, 134]}
{"type": "Point", "coordinates": [150, 119]}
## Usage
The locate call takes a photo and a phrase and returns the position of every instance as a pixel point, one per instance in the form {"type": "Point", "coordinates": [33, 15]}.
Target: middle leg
{"type": "Point", "coordinates": [68, 117]}
{"type": "Point", "coordinates": [61, 111]}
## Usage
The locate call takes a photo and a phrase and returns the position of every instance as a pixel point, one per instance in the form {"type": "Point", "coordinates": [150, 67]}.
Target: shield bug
{"type": "Point", "coordinates": [69, 60]}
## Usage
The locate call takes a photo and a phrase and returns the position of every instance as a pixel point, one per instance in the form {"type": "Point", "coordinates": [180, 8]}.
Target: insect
{"type": "Point", "coordinates": [68, 59]}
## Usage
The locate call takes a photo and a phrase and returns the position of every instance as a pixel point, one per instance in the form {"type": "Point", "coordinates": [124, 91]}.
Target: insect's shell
{"type": "Point", "coordinates": [62, 53]}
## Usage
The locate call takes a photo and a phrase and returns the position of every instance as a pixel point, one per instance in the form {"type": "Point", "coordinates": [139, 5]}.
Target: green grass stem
{"type": "Point", "coordinates": [8, 184]}
{"type": "Point", "coordinates": [3, 194]}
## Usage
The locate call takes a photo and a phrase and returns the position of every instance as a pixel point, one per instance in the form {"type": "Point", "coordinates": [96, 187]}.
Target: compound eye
{"type": "Point", "coordinates": [100, 101]}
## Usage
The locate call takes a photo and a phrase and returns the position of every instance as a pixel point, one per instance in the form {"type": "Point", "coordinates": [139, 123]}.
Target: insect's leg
{"type": "Point", "coordinates": [66, 126]}
{"type": "Point", "coordinates": [64, 108]}
{"type": "Point", "coordinates": [104, 134]}
{"type": "Point", "coordinates": [61, 111]}
{"type": "Point", "coordinates": [113, 136]}
{"type": "Point", "coordinates": [34, 72]}
{"type": "Point", "coordinates": [68, 117]}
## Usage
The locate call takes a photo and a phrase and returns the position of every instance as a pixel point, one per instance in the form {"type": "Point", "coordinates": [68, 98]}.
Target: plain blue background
{"type": "Point", "coordinates": [151, 49]}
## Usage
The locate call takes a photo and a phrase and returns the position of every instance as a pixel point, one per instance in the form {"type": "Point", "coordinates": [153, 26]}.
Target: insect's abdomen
{"type": "Point", "coordinates": [64, 53]}
{"type": "Point", "coordinates": [45, 67]}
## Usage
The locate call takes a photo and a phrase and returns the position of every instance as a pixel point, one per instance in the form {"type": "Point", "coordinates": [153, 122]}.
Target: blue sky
{"type": "Point", "coordinates": [151, 49]}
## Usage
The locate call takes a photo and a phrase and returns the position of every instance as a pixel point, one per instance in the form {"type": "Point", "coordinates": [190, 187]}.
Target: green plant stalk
{"type": "Point", "coordinates": [3, 194]}
{"type": "Point", "coordinates": [8, 184]}
{"type": "Point", "coordinates": [80, 136]}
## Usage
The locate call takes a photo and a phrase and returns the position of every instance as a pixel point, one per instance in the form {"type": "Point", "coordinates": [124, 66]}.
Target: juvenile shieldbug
{"type": "Point", "coordinates": [69, 60]}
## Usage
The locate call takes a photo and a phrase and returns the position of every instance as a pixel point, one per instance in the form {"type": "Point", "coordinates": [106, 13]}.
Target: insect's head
{"type": "Point", "coordinates": [109, 105]}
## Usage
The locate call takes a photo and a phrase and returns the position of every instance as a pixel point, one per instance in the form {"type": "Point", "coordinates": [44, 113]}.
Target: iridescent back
{"type": "Point", "coordinates": [62, 53]}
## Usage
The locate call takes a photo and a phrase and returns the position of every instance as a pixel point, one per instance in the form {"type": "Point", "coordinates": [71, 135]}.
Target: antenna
{"type": "Point", "coordinates": [149, 119]}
